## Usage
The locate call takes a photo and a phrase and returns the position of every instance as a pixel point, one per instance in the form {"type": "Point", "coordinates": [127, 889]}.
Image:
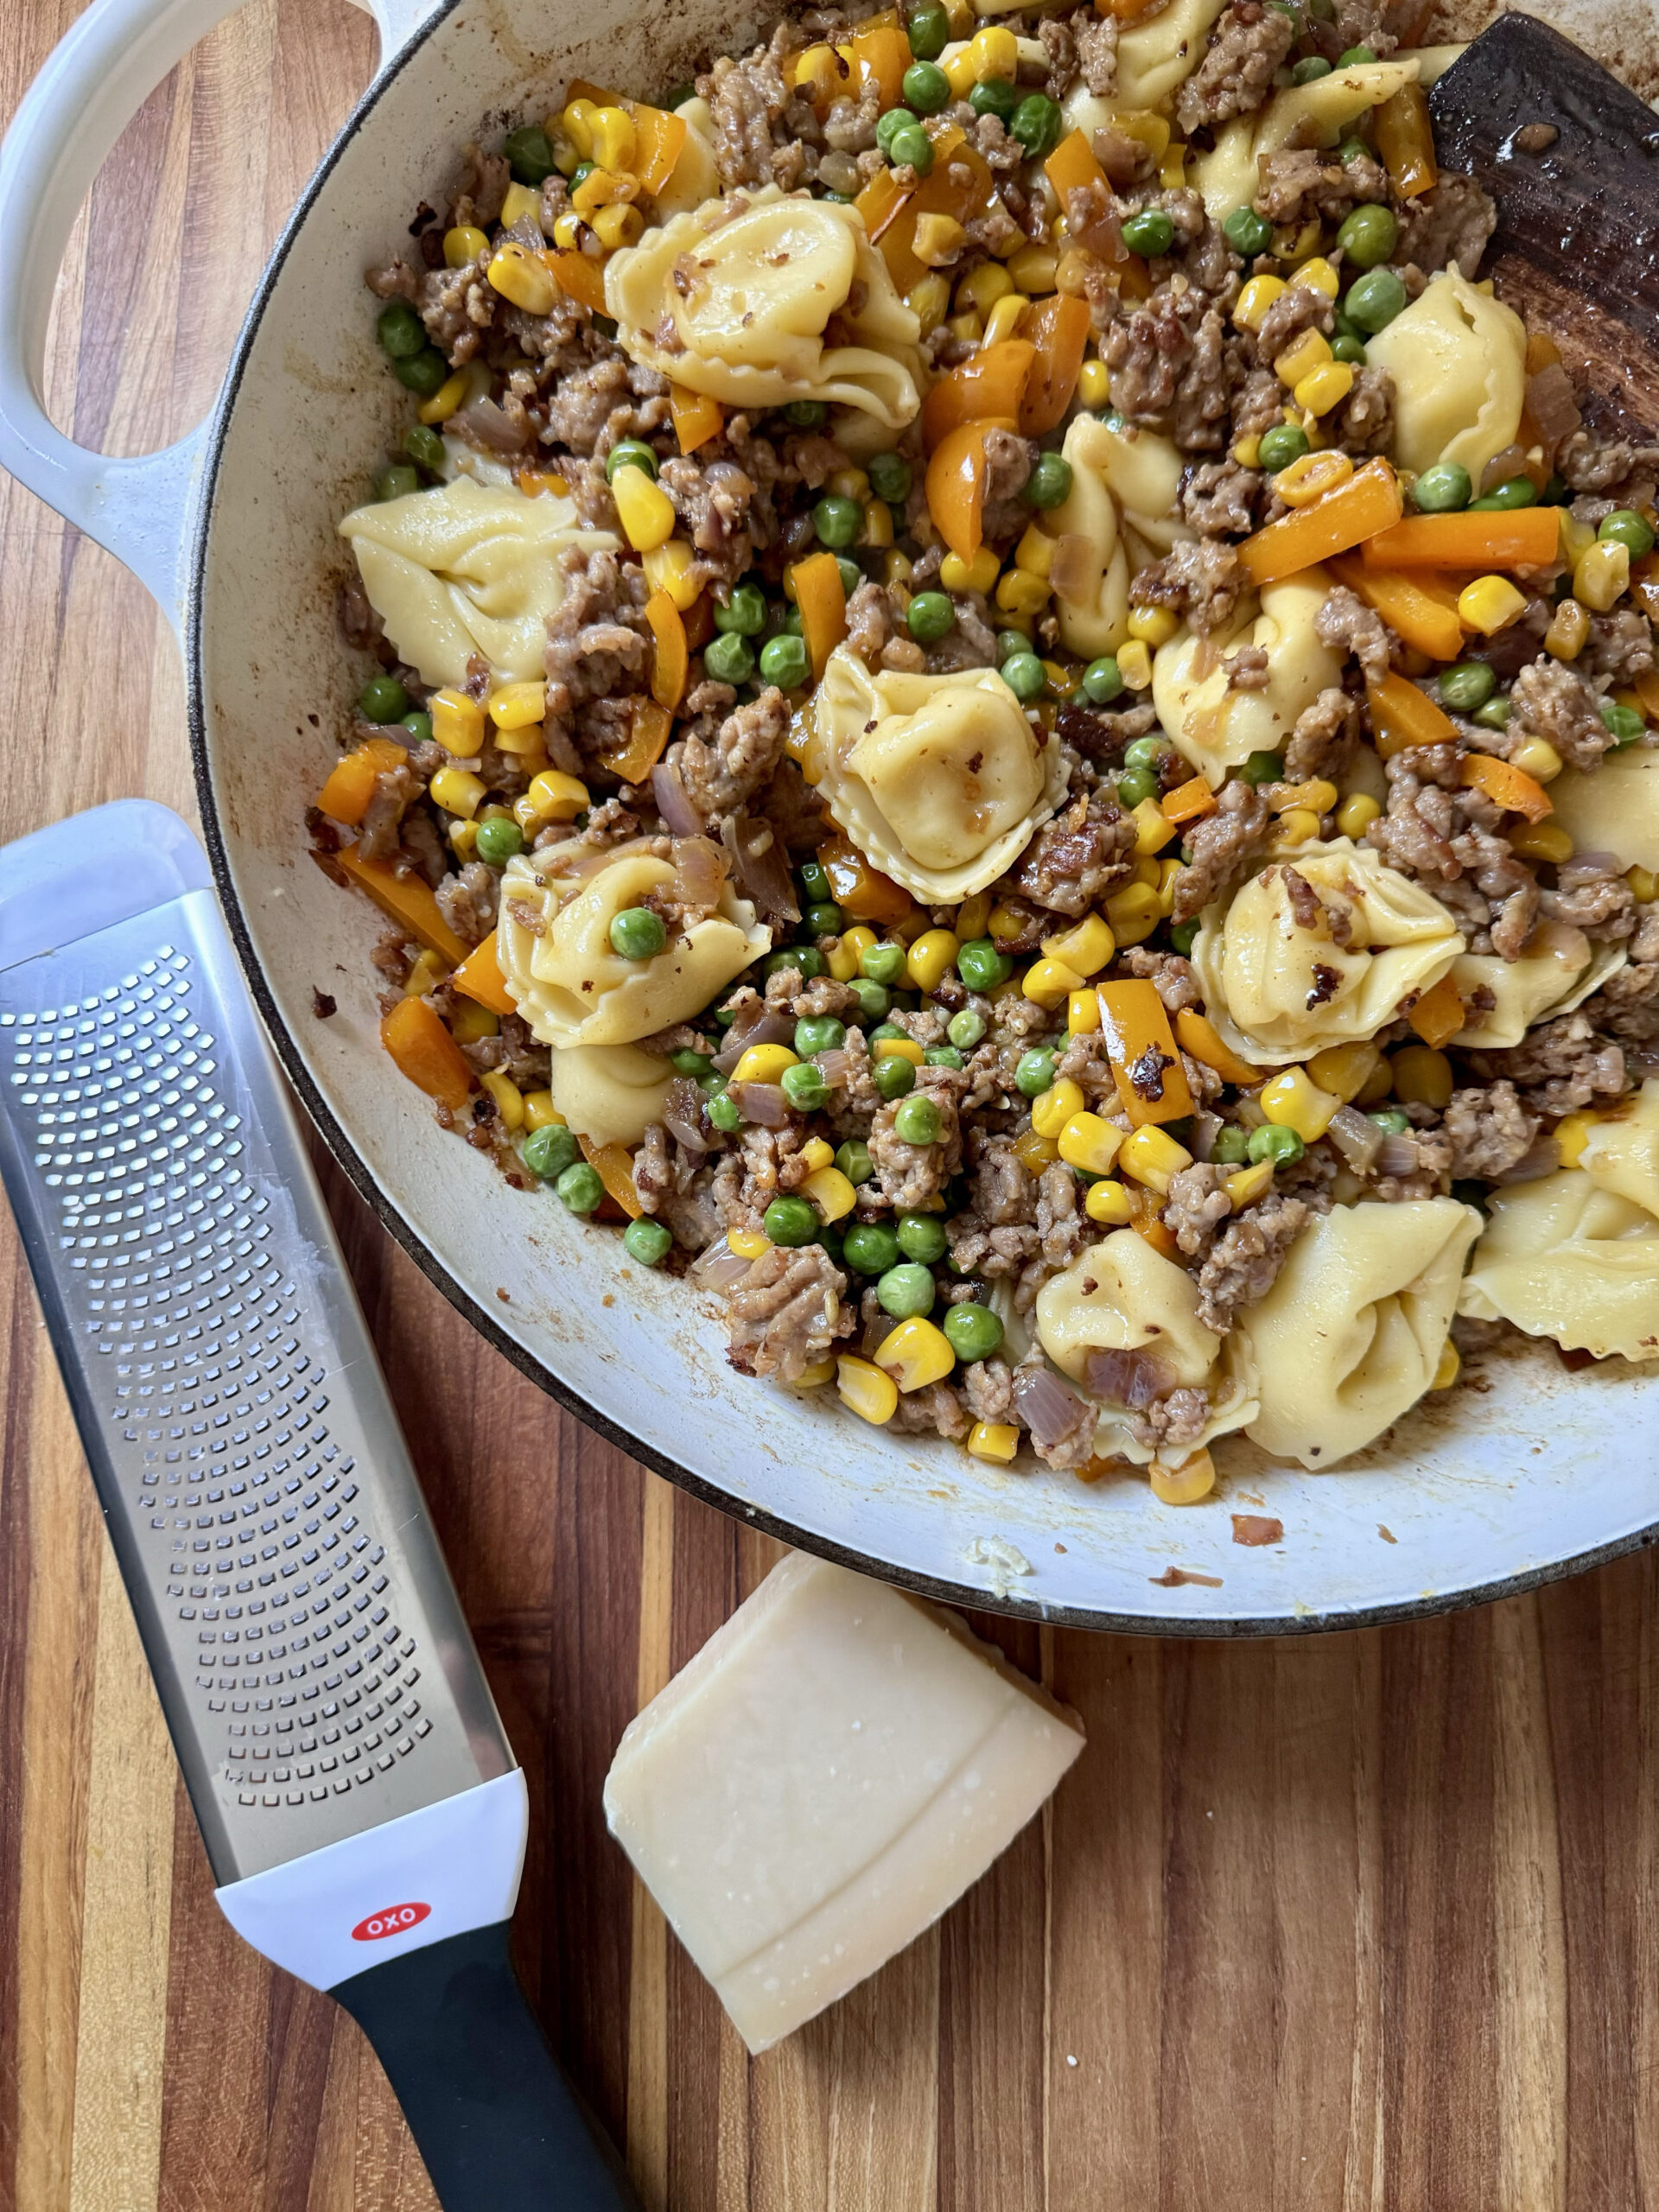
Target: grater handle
{"type": "Point", "coordinates": [500, 2128]}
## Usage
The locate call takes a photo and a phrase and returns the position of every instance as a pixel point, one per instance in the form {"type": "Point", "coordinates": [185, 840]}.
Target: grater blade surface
{"type": "Point", "coordinates": [316, 1670]}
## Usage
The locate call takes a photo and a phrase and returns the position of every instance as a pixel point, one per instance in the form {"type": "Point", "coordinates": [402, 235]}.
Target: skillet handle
{"type": "Point", "coordinates": [92, 83]}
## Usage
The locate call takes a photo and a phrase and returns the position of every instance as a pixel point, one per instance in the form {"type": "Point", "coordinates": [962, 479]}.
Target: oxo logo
{"type": "Point", "coordinates": [391, 1921]}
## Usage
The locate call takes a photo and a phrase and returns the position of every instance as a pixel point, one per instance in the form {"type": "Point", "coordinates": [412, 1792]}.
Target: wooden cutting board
{"type": "Point", "coordinates": [1332, 1923]}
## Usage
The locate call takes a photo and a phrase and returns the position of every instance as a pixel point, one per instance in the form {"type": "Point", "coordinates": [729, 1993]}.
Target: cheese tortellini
{"type": "Point", "coordinates": [467, 569]}
{"type": "Point", "coordinates": [1558, 970]}
{"type": "Point", "coordinates": [1350, 1334]}
{"type": "Point", "coordinates": [745, 290]}
{"type": "Point", "coordinates": [695, 176]}
{"type": "Point", "coordinates": [553, 941]}
{"type": "Point", "coordinates": [1218, 728]}
{"type": "Point", "coordinates": [1120, 1295]}
{"type": "Point", "coordinates": [1459, 360]}
{"type": "Point", "coordinates": [609, 1094]}
{"type": "Point", "coordinates": [1157, 54]}
{"type": "Point", "coordinates": [1124, 506]}
{"type": "Point", "coordinates": [1301, 115]}
{"type": "Point", "coordinates": [1614, 809]}
{"type": "Point", "coordinates": [1278, 988]}
{"type": "Point", "coordinates": [938, 780]}
{"type": "Point", "coordinates": [1621, 1153]}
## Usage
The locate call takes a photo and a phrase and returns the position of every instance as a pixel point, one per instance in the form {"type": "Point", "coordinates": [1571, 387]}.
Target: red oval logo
{"type": "Point", "coordinates": [394, 1921]}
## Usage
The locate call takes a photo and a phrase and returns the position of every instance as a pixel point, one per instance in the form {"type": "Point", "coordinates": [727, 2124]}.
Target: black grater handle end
{"type": "Point", "coordinates": [499, 2126]}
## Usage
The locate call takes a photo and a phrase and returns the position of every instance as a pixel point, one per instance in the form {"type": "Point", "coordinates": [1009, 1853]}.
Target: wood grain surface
{"type": "Point", "coordinates": [1332, 1923]}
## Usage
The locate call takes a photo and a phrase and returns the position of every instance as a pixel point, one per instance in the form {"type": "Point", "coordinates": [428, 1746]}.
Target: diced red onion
{"type": "Point", "coordinates": [1588, 866]}
{"type": "Point", "coordinates": [1552, 407]}
{"type": "Point", "coordinates": [682, 1114]}
{"type": "Point", "coordinates": [757, 1024]}
{"type": "Point", "coordinates": [1356, 1136]}
{"type": "Point", "coordinates": [761, 866]}
{"type": "Point", "coordinates": [1128, 1378]}
{"type": "Point", "coordinates": [1207, 658]}
{"type": "Point", "coordinates": [763, 1103]}
{"type": "Point", "coordinates": [1071, 565]}
{"type": "Point", "coordinates": [680, 818]}
{"type": "Point", "coordinates": [719, 1267]}
{"type": "Point", "coordinates": [834, 1066]}
{"type": "Point", "coordinates": [1206, 1128]}
{"type": "Point", "coordinates": [1048, 1409]}
{"type": "Point", "coordinates": [482, 423]}
{"type": "Point", "coordinates": [702, 868]}
{"type": "Point", "coordinates": [877, 1329]}
{"type": "Point", "coordinates": [1396, 1155]}
{"type": "Point", "coordinates": [1541, 1157]}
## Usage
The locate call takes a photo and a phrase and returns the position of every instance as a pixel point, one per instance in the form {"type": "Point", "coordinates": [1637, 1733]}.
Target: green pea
{"type": "Point", "coordinates": [419, 725]}
{"type": "Point", "coordinates": [548, 1151]}
{"type": "Point", "coordinates": [1625, 527]}
{"type": "Point", "coordinates": [1232, 1147]}
{"type": "Point", "coordinates": [870, 1247]}
{"type": "Point", "coordinates": [1149, 233]}
{"type": "Point", "coordinates": [1352, 150]}
{"type": "Point", "coordinates": [818, 1032]}
{"type": "Point", "coordinates": [906, 1290]}
{"type": "Point", "coordinates": [1466, 687]}
{"type": "Point", "coordinates": [790, 1221]}
{"type": "Point", "coordinates": [895, 119]}
{"type": "Point", "coordinates": [931, 616]}
{"type": "Point", "coordinates": [686, 1062]}
{"type": "Point", "coordinates": [723, 1113]}
{"type": "Point", "coordinates": [893, 1078]}
{"type": "Point", "coordinates": [581, 172]}
{"type": "Point", "coordinates": [910, 148]}
{"type": "Point", "coordinates": [921, 1237]}
{"type": "Point", "coordinates": [997, 97]}
{"type": "Point", "coordinates": [854, 1160]}
{"type": "Point", "coordinates": [744, 613]}
{"type": "Point", "coordinates": [1280, 1146]}
{"type": "Point", "coordinates": [822, 921]}
{"type": "Point", "coordinates": [680, 94]}
{"type": "Point", "coordinates": [838, 199]}
{"type": "Point", "coordinates": [396, 481]}
{"type": "Point", "coordinates": [1145, 752]}
{"type": "Point", "coordinates": [1009, 642]}
{"type": "Point", "coordinates": [1283, 444]}
{"type": "Point", "coordinates": [1374, 299]}
{"type": "Point", "coordinates": [1181, 935]}
{"type": "Point", "coordinates": [804, 1087]}
{"type": "Point", "coordinates": [400, 330]}
{"type": "Point", "coordinates": [530, 155]}
{"type": "Point", "coordinates": [728, 657]}
{"type": "Point", "coordinates": [1515, 491]}
{"type": "Point", "coordinates": [1391, 1121]}
{"type": "Point", "coordinates": [783, 662]}
{"type": "Point", "coordinates": [1443, 490]}
{"type": "Point", "coordinates": [1495, 714]}
{"type": "Point", "coordinates": [806, 960]}
{"type": "Point", "coordinates": [926, 87]}
{"type": "Point", "coordinates": [422, 372]}
{"type": "Point", "coordinates": [981, 966]}
{"type": "Point", "coordinates": [814, 882]}
{"type": "Point", "coordinates": [792, 622]}
{"type": "Point", "coordinates": [383, 699]}
{"type": "Point", "coordinates": [1558, 493]}
{"type": "Point", "coordinates": [1343, 326]}
{"type": "Point", "coordinates": [1623, 723]}
{"type": "Point", "coordinates": [890, 477]}
{"type": "Point", "coordinates": [425, 447]}
{"type": "Point", "coordinates": [966, 1029]}
{"type": "Point", "coordinates": [1036, 124]}
{"type": "Point", "coordinates": [1139, 785]}
{"type": "Point", "coordinates": [579, 1187]}
{"type": "Point", "coordinates": [1101, 682]}
{"type": "Point", "coordinates": [1035, 1073]}
{"type": "Point", "coordinates": [805, 414]}
{"type": "Point", "coordinates": [1049, 484]}
{"type": "Point", "coordinates": [1343, 348]}
{"type": "Point", "coordinates": [887, 1032]}
{"type": "Point", "coordinates": [929, 31]}
{"type": "Point", "coordinates": [647, 1241]}
{"type": "Point", "coordinates": [918, 1120]}
{"type": "Point", "coordinates": [1024, 676]}
{"type": "Point", "coordinates": [837, 521]}
{"type": "Point", "coordinates": [500, 839]}
{"type": "Point", "coordinates": [1369, 236]}
{"type": "Point", "coordinates": [1308, 69]}
{"type": "Point", "coordinates": [849, 572]}
{"type": "Point", "coordinates": [882, 963]}
{"type": "Point", "coordinates": [874, 999]}
{"type": "Point", "coordinates": [973, 1332]}
{"type": "Point", "coordinates": [1247, 232]}
{"type": "Point", "coordinates": [941, 1056]}
{"type": "Point", "coordinates": [1261, 768]}
{"type": "Point", "coordinates": [630, 452]}
{"type": "Point", "coordinates": [1355, 57]}
{"type": "Point", "coordinates": [638, 934]}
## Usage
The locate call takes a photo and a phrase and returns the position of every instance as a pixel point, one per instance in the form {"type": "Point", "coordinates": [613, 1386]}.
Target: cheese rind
{"type": "Point", "coordinates": [824, 1779]}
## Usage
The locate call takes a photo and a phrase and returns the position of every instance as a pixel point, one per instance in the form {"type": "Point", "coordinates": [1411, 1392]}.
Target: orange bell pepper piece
{"type": "Point", "coordinates": [1058, 329]}
{"type": "Point", "coordinates": [661, 141]}
{"type": "Point", "coordinates": [699, 619]}
{"type": "Point", "coordinates": [1145, 1063]}
{"type": "Point", "coordinates": [1369, 501]}
{"type": "Point", "coordinates": [1520, 538]}
{"type": "Point", "coordinates": [1439, 1014]}
{"type": "Point", "coordinates": [955, 485]}
{"type": "Point", "coordinates": [583, 279]}
{"type": "Point", "coordinates": [1188, 802]}
{"type": "Point", "coordinates": [671, 658]}
{"type": "Point", "coordinates": [581, 88]}
{"type": "Point", "coordinates": [1161, 1237]}
{"type": "Point", "coordinates": [1417, 616]}
{"type": "Point", "coordinates": [880, 202]}
{"type": "Point", "coordinates": [1196, 1035]}
{"type": "Point", "coordinates": [1405, 138]}
{"type": "Point", "coordinates": [990, 384]}
{"type": "Point", "coordinates": [649, 725]}
{"type": "Point", "coordinates": [345, 797]}
{"type": "Point", "coordinates": [1507, 786]}
{"type": "Point", "coordinates": [958, 185]}
{"type": "Point", "coordinates": [1401, 715]}
{"type": "Point", "coordinates": [696, 417]}
{"type": "Point", "coordinates": [616, 1166]}
{"type": "Point", "coordinates": [859, 889]}
{"type": "Point", "coordinates": [822, 598]}
{"type": "Point", "coordinates": [1085, 198]}
{"type": "Point", "coordinates": [1646, 687]}
{"type": "Point", "coordinates": [425, 1052]}
{"type": "Point", "coordinates": [881, 54]}
{"type": "Point", "coordinates": [409, 903]}
{"type": "Point", "coordinates": [480, 977]}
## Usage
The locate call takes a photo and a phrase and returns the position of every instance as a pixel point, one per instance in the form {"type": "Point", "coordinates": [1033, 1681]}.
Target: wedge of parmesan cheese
{"type": "Point", "coordinates": [836, 1765]}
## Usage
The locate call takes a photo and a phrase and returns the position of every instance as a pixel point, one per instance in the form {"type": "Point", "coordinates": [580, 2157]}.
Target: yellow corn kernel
{"type": "Point", "coordinates": [509, 1099]}
{"type": "Point", "coordinates": [519, 276]}
{"type": "Point", "coordinates": [814, 1376]}
{"type": "Point", "coordinates": [1134, 663]}
{"type": "Point", "coordinates": [577, 124]}
{"type": "Point", "coordinates": [1063, 681]}
{"type": "Point", "coordinates": [1171, 169]}
{"type": "Point", "coordinates": [830, 1193]}
{"type": "Point", "coordinates": [463, 837]}
{"type": "Point", "coordinates": [1568, 632]}
{"type": "Point", "coordinates": [1090, 1143]}
{"type": "Point", "coordinates": [1109, 1203]}
{"type": "Point", "coordinates": [1034, 552]}
{"type": "Point", "coordinates": [1422, 1076]}
{"type": "Point", "coordinates": [672, 567]}
{"type": "Point", "coordinates": [938, 240]}
{"type": "Point", "coordinates": [978, 575]}
{"type": "Point", "coordinates": [1152, 828]}
{"type": "Point", "coordinates": [993, 1439]}
{"type": "Point", "coordinates": [1033, 269]}
{"type": "Point", "coordinates": [448, 399]}
{"type": "Point", "coordinates": [748, 1243]}
{"type": "Point", "coordinates": [1318, 275]}
{"type": "Point", "coordinates": [1082, 1013]}
{"type": "Point", "coordinates": [1325, 388]}
{"type": "Point", "coordinates": [457, 722]}
{"type": "Point", "coordinates": [1310, 476]}
{"type": "Point", "coordinates": [915, 1354]}
{"type": "Point", "coordinates": [516, 705]}
{"type": "Point", "coordinates": [972, 915]}
{"type": "Point", "coordinates": [1257, 296]}
{"type": "Point", "coordinates": [898, 568]}
{"type": "Point", "coordinates": [1151, 1156]}
{"type": "Point", "coordinates": [1355, 815]}
{"type": "Point", "coordinates": [899, 1048]}
{"type": "Point", "coordinates": [1154, 626]}
{"type": "Point", "coordinates": [1247, 451]}
{"type": "Point", "coordinates": [1184, 1485]}
{"type": "Point", "coordinates": [540, 1112]}
{"type": "Point", "coordinates": [1446, 1371]}
{"type": "Point", "coordinates": [958, 69]}
{"type": "Point", "coordinates": [601, 188]}
{"type": "Point", "coordinates": [928, 962]}
{"type": "Point", "coordinates": [1046, 982]}
{"type": "Point", "coordinates": [463, 245]}
{"type": "Point", "coordinates": [984, 287]}
{"type": "Point", "coordinates": [427, 971]}
{"type": "Point", "coordinates": [567, 230]}
{"type": "Point", "coordinates": [1538, 758]}
{"type": "Point", "coordinates": [1601, 577]}
{"type": "Point", "coordinates": [1298, 826]}
{"type": "Point", "coordinates": [1541, 841]}
{"type": "Point", "coordinates": [1489, 604]}
{"type": "Point", "coordinates": [647, 511]}
{"type": "Point", "coordinates": [763, 1064]}
{"type": "Point", "coordinates": [520, 201]}
{"type": "Point", "coordinates": [1086, 946]}
{"type": "Point", "coordinates": [1006, 317]}
{"type": "Point", "coordinates": [1053, 1108]}
{"type": "Point", "coordinates": [457, 790]}
{"type": "Point", "coordinates": [1572, 1133]}
{"type": "Point", "coordinates": [1344, 1068]}
{"type": "Point", "coordinates": [878, 524]}
{"type": "Point", "coordinates": [996, 54]}
{"type": "Point", "coordinates": [1577, 539]}
{"type": "Point", "coordinates": [815, 1153]}
{"type": "Point", "coordinates": [1644, 885]}
{"type": "Point", "coordinates": [1168, 869]}
{"type": "Point", "coordinates": [552, 796]}
{"type": "Point", "coordinates": [1293, 1101]}
{"type": "Point", "coordinates": [849, 484]}
{"type": "Point", "coordinates": [1095, 383]}
{"type": "Point", "coordinates": [619, 224]}
{"type": "Point", "coordinates": [1246, 1185]}
{"type": "Point", "coordinates": [1148, 870]}
{"type": "Point", "coordinates": [471, 1022]}
{"type": "Point", "coordinates": [928, 300]}
{"type": "Point", "coordinates": [1034, 1153]}
{"type": "Point", "coordinates": [1318, 795]}
{"type": "Point", "coordinates": [1133, 913]}
{"type": "Point", "coordinates": [614, 139]}
{"type": "Point", "coordinates": [857, 941]}
{"type": "Point", "coordinates": [1002, 924]}
{"type": "Point", "coordinates": [1310, 351]}
{"type": "Point", "coordinates": [1019, 592]}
